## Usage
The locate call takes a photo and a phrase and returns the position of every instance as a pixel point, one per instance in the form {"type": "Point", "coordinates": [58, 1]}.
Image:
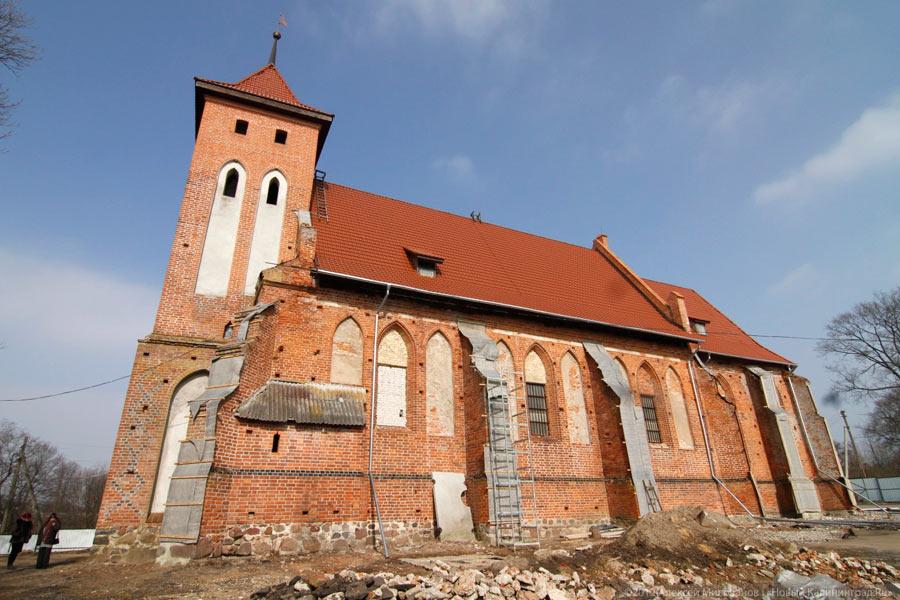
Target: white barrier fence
{"type": "Point", "coordinates": [69, 540]}
{"type": "Point", "coordinates": [879, 489]}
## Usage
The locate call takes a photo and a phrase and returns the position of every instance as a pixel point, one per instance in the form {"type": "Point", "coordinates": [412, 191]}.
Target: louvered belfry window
{"type": "Point", "coordinates": [651, 421]}
{"type": "Point", "coordinates": [538, 420]}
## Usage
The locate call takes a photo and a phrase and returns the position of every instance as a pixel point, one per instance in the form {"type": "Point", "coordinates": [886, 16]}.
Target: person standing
{"type": "Point", "coordinates": [20, 536]}
{"type": "Point", "coordinates": [47, 537]}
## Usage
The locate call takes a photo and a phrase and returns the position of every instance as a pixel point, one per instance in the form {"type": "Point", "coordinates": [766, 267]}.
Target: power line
{"type": "Point", "coordinates": [81, 389]}
{"type": "Point", "coordinates": [95, 385]}
{"type": "Point", "coordinates": [109, 381]}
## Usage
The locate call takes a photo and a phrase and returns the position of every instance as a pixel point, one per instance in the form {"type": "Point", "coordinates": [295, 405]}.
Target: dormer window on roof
{"type": "Point", "coordinates": [426, 263]}
{"type": "Point", "coordinates": [699, 326]}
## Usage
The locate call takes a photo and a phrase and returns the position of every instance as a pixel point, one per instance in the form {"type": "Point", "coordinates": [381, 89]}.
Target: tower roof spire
{"type": "Point", "coordinates": [276, 35]}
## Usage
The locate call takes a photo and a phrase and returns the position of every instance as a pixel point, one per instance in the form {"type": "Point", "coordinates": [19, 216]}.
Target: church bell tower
{"type": "Point", "coordinates": [251, 176]}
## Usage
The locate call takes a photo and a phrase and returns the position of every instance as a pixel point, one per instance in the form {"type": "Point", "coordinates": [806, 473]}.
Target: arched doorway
{"type": "Point", "coordinates": [189, 389]}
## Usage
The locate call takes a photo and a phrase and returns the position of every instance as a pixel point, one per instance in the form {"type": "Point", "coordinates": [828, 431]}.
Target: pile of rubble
{"type": "Point", "coordinates": [443, 583]}
{"type": "Point", "coordinates": [804, 561]}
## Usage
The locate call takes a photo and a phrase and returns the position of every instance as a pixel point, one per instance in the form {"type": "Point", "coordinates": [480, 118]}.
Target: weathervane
{"type": "Point", "coordinates": [276, 35]}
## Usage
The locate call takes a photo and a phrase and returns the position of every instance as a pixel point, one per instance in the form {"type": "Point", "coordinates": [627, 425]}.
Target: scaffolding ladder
{"type": "Point", "coordinates": [505, 480]}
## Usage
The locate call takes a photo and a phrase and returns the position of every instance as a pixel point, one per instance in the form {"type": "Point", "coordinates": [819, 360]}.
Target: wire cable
{"type": "Point", "coordinates": [96, 385]}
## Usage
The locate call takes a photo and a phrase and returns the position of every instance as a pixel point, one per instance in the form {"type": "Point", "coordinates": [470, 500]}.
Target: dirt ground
{"type": "Point", "coordinates": [80, 575]}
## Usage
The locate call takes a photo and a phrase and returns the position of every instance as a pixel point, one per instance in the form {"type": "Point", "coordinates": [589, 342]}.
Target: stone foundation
{"type": "Point", "coordinates": [551, 529]}
{"type": "Point", "coordinates": [130, 545]}
{"type": "Point", "coordinates": [141, 544]}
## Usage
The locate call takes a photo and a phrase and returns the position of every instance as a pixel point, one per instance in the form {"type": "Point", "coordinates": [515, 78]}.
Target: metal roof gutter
{"type": "Point", "coordinates": [502, 305]}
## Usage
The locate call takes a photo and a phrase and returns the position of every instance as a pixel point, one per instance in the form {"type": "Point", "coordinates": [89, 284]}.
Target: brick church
{"type": "Point", "coordinates": [332, 369]}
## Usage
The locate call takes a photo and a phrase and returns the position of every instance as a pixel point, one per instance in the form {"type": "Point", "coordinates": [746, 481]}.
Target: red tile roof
{"type": "Point", "coordinates": [723, 336]}
{"type": "Point", "coordinates": [366, 236]}
{"type": "Point", "coordinates": [266, 83]}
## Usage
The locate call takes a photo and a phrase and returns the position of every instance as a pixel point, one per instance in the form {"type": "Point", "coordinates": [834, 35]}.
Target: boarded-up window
{"type": "Point", "coordinates": [648, 388]}
{"type": "Point", "coordinates": [508, 374]}
{"type": "Point", "coordinates": [347, 354]}
{"type": "Point", "coordinates": [392, 359]}
{"type": "Point", "coordinates": [574, 393]}
{"type": "Point", "coordinates": [535, 386]}
{"type": "Point", "coordinates": [679, 409]}
{"type": "Point", "coordinates": [439, 385]}
{"type": "Point", "coordinates": [176, 431]}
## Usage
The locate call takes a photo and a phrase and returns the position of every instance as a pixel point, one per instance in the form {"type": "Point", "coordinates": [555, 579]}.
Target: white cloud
{"type": "Point", "coordinates": [49, 302]}
{"type": "Point", "coordinates": [801, 279]}
{"type": "Point", "coordinates": [64, 326]}
{"type": "Point", "coordinates": [458, 167]}
{"type": "Point", "coordinates": [506, 25]}
{"type": "Point", "coordinates": [721, 108]}
{"type": "Point", "coordinates": [871, 143]}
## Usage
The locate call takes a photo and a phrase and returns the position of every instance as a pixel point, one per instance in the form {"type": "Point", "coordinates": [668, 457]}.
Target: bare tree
{"type": "Point", "coordinates": [16, 53]}
{"type": "Point", "coordinates": [883, 425]}
{"type": "Point", "coordinates": [863, 348]}
{"type": "Point", "coordinates": [48, 481]}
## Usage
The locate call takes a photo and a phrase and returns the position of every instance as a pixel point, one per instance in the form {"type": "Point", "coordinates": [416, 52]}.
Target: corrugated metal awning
{"type": "Point", "coordinates": [309, 402]}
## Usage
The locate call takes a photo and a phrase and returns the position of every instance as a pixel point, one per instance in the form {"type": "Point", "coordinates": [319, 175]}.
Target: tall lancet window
{"type": "Point", "coordinates": [221, 232]}
{"type": "Point", "coordinates": [272, 193]}
{"type": "Point", "coordinates": [392, 361]}
{"type": "Point", "coordinates": [266, 241]}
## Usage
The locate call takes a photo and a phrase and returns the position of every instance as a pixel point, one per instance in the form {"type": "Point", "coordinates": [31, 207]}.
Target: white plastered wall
{"type": "Point", "coordinates": [266, 231]}
{"type": "Point", "coordinates": [439, 386]}
{"type": "Point", "coordinates": [573, 390]}
{"type": "Point", "coordinates": [347, 354]}
{"type": "Point", "coordinates": [679, 409]}
{"type": "Point", "coordinates": [221, 236]}
{"type": "Point", "coordinates": [176, 431]}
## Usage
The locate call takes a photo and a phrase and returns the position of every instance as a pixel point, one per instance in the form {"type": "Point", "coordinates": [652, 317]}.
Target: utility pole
{"type": "Point", "coordinates": [847, 481]}
{"type": "Point", "coordinates": [859, 459]}
{"type": "Point", "coordinates": [34, 501]}
{"type": "Point", "coordinates": [875, 457]}
{"type": "Point", "coordinates": [7, 511]}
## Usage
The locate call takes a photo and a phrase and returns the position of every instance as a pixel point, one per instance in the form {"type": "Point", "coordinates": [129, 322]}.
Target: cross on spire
{"type": "Point", "coordinates": [276, 35]}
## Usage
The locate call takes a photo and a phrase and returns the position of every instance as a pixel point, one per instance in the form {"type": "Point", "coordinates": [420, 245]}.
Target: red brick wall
{"type": "Point", "coordinates": [319, 473]}
{"type": "Point", "coordinates": [181, 312]}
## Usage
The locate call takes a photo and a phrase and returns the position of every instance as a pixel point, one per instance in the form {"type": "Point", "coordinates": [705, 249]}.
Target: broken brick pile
{"type": "Point", "coordinates": [443, 583]}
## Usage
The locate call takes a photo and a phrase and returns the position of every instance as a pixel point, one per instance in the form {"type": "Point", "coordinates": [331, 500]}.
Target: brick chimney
{"type": "Point", "coordinates": [678, 310]}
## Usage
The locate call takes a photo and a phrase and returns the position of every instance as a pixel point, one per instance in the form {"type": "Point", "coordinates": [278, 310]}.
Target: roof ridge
{"type": "Point", "coordinates": [463, 217]}
{"type": "Point", "coordinates": [727, 318]}
{"type": "Point", "coordinates": [255, 73]}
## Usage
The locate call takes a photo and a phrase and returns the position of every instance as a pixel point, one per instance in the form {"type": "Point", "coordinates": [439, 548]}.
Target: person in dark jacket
{"type": "Point", "coordinates": [47, 537]}
{"type": "Point", "coordinates": [20, 536]}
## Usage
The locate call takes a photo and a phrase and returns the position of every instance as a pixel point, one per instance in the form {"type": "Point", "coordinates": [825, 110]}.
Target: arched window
{"type": "Point", "coordinates": [648, 390]}
{"type": "Point", "coordinates": [221, 232]}
{"type": "Point", "coordinates": [536, 392]}
{"type": "Point", "coordinates": [231, 183]}
{"type": "Point", "coordinates": [176, 430]}
{"type": "Point", "coordinates": [391, 398]}
{"type": "Point", "coordinates": [439, 385]}
{"type": "Point", "coordinates": [229, 329]}
{"type": "Point", "coordinates": [679, 409]}
{"type": "Point", "coordinates": [266, 243]}
{"type": "Point", "coordinates": [347, 353]}
{"type": "Point", "coordinates": [573, 390]}
{"type": "Point", "coordinates": [508, 375]}
{"type": "Point", "coordinates": [272, 193]}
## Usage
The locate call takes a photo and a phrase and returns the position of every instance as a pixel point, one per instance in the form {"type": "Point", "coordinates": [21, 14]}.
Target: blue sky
{"type": "Point", "coordinates": [750, 150]}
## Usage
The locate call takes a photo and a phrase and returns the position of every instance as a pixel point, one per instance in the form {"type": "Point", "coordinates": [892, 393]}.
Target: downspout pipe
{"type": "Point", "coordinates": [709, 457]}
{"type": "Point", "coordinates": [384, 545]}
